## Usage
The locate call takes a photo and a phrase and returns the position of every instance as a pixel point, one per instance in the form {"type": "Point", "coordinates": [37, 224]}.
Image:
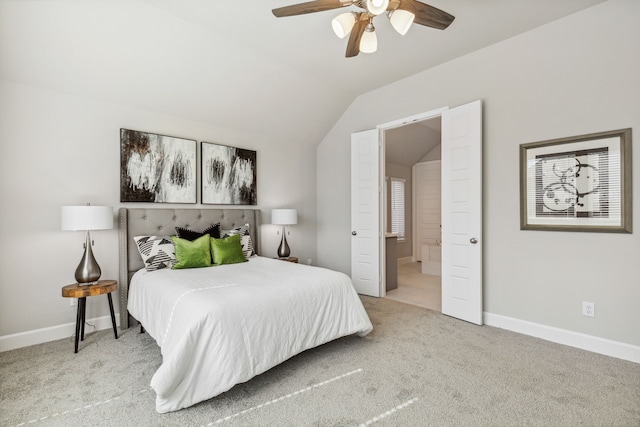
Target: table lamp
{"type": "Point", "coordinates": [87, 218]}
{"type": "Point", "coordinates": [284, 217]}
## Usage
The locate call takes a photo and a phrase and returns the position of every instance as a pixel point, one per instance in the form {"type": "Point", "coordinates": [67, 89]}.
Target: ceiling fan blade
{"type": "Point", "coordinates": [353, 47]}
{"type": "Point", "coordinates": [309, 7]}
{"type": "Point", "coordinates": [426, 15]}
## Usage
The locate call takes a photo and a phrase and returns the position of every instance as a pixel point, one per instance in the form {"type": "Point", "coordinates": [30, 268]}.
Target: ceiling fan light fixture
{"type": "Point", "coordinates": [401, 20]}
{"type": "Point", "coordinates": [369, 40]}
{"type": "Point", "coordinates": [377, 7]}
{"type": "Point", "coordinates": [359, 24]}
{"type": "Point", "coordinates": [342, 24]}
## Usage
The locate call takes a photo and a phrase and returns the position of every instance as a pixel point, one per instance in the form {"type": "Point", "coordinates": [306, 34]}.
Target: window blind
{"type": "Point", "coordinates": [397, 207]}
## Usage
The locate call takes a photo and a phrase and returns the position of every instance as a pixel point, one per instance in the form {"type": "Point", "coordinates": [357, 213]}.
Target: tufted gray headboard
{"type": "Point", "coordinates": [162, 222]}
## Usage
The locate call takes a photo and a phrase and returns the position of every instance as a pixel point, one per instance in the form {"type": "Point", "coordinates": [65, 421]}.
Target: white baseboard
{"type": "Point", "coordinates": [562, 336]}
{"type": "Point", "coordinates": [405, 260]}
{"type": "Point", "coordinates": [52, 333]}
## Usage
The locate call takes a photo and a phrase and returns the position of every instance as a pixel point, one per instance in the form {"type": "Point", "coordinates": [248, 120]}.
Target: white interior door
{"type": "Point", "coordinates": [462, 212]}
{"type": "Point", "coordinates": [366, 271]}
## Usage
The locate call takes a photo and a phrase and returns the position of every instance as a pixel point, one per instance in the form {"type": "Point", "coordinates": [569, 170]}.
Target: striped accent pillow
{"type": "Point", "coordinates": [157, 252]}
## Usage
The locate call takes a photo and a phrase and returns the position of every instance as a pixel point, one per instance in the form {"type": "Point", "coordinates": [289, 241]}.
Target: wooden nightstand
{"type": "Point", "coordinates": [82, 292]}
{"type": "Point", "coordinates": [289, 258]}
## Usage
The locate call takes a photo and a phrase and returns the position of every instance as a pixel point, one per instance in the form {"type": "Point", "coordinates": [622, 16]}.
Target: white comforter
{"type": "Point", "coordinates": [223, 325]}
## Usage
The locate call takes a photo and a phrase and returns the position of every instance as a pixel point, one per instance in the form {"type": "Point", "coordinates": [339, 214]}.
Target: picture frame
{"type": "Point", "coordinates": [228, 175]}
{"type": "Point", "coordinates": [157, 168]}
{"type": "Point", "coordinates": [579, 183]}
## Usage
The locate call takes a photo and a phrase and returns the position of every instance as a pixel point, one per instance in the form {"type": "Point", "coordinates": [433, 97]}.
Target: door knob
{"type": "Point", "coordinates": [473, 240]}
{"type": "Point", "coordinates": [353, 233]}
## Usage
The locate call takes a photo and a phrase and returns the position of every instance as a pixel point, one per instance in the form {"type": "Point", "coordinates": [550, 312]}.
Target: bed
{"type": "Point", "coordinates": [222, 325]}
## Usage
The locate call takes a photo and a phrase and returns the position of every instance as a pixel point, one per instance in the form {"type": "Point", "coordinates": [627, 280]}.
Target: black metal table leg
{"type": "Point", "coordinates": [113, 317]}
{"type": "Point", "coordinates": [82, 302]}
{"type": "Point", "coordinates": [78, 321]}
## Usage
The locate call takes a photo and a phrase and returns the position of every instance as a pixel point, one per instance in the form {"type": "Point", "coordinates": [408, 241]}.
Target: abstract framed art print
{"type": "Point", "coordinates": [581, 183]}
{"type": "Point", "coordinates": [228, 175]}
{"type": "Point", "coordinates": [157, 168]}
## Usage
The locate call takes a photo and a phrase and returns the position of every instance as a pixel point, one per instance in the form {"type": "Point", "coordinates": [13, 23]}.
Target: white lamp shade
{"type": "Point", "coordinates": [377, 7]}
{"type": "Point", "coordinates": [86, 218]}
{"type": "Point", "coordinates": [369, 42]}
{"type": "Point", "coordinates": [284, 216]}
{"type": "Point", "coordinates": [401, 20]}
{"type": "Point", "coordinates": [342, 24]}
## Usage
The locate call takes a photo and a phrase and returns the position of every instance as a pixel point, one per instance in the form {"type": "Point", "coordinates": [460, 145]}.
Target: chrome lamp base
{"type": "Point", "coordinates": [283, 249]}
{"type": "Point", "coordinates": [88, 271]}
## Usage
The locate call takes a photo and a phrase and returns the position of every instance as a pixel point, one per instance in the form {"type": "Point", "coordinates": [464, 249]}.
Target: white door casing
{"type": "Point", "coordinates": [462, 212]}
{"type": "Point", "coordinates": [366, 216]}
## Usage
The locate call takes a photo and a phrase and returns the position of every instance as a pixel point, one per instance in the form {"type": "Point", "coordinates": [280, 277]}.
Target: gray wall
{"type": "Point", "coordinates": [58, 150]}
{"type": "Point", "coordinates": [435, 154]}
{"type": "Point", "coordinates": [574, 76]}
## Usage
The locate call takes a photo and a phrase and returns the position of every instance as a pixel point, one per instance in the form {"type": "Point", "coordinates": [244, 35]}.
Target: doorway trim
{"type": "Point", "coordinates": [412, 119]}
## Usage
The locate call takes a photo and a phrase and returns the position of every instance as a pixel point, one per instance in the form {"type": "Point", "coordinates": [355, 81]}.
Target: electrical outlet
{"type": "Point", "coordinates": [73, 302]}
{"type": "Point", "coordinates": [309, 261]}
{"type": "Point", "coordinates": [588, 309]}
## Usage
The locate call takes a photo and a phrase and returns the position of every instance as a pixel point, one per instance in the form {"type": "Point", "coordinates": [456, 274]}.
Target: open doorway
{"type": "Point", "coordinates": [412, 168]}
{"type": "Point", "coordinates": [461, 175]}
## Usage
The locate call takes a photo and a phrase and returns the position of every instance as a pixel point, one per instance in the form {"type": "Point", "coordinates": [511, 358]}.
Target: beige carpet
{"type": "Point", "coordinates": [418, 368]}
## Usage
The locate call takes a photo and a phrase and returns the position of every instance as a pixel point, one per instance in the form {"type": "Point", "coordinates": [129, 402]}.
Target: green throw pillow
{"type": "Point", "coordinates": [227, 250]}
{"type": "Point", "coordinates": [192, 254]}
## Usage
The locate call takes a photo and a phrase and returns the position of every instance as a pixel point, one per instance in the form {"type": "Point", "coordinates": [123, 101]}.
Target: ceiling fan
{"type": "Point", "coordinates": [401, 14]}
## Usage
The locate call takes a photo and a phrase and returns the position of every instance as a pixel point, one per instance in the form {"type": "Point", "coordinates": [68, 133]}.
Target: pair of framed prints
{"type": "Point", "coordinates": [163, 169]}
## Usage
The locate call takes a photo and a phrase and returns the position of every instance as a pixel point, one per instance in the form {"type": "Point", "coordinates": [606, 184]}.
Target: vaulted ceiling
{"type": "Point", "coordinates": [407, 145]}
{"type": "Point", "coordinates": [234, 64]}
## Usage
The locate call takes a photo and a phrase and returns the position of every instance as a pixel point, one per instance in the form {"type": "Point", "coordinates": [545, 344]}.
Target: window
{"type": "Point", "coordinates": [397, 207]}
